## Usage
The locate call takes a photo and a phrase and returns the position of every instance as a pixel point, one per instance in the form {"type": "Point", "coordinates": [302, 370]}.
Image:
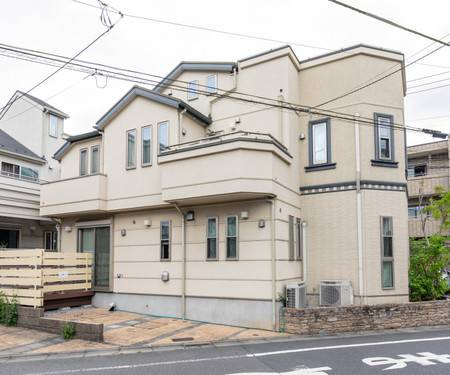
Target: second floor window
{"type": "Point", "coordinates": [146, 145]}
{"type": "Point", "coordinates": [17, 171]}
{"type": "Point", "coordinates": [319, 145]}
{"type": "Point", "coordinates": [211, 84]}
{"type": "Point", "coordinates": [131, 148]}
{"type": "Point", "coordinates": [53, 128]}
{"type": "Point", "coordinates": [192, 90]}
{"type": "Point", "coordinates": [163, 136]}
{"type": "Point", "coordinates": [83, 162]}
{"type": "Point", "coordinates": [384, 141]}
{"type": "Point", "coordinates": [94, 159]}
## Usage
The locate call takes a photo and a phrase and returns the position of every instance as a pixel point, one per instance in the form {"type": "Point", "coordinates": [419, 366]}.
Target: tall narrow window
{"type": "Point", "coordinates": [319, 146]}
{"type": "Point", "coordinates": [232, 236]}
{"type": "Point", "coordinates": [131, 148]}
{"type": "Point", "coordinates": [211, 238]}
{"type": "Point", "coordinates": [51, 241]}
{"type": "Point", "coordinates": [192, 90]}
{"type": "Point", "coordinates": [163, 136]}
{"type": "Point", "coordinates": [384, 141]}
{"type": "Point", "coordinates": [298, 247]}
{"type": "Point", "coordinates": [94, 159]}
{"type": "Point", "coordinates": [211, 84]}
{"type": "Point", "coordinates": [387, 253]}
{"type": "Point", "coordinates": [146, 145]}
{"type": "Point", "coordinates": [83, 162]}
{"type": "Point", "coordinates": [165, 240]}
{"type": "Point", "coordinates": [291, 238]}
{"type": "Point", "coordinates": [53, 127]}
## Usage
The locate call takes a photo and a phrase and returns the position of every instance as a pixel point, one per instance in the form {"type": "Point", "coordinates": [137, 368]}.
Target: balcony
{"type": "Point", "coordinates": [429, 182]}
{"type": "Point", "coordinates": [237, 166]}
{"type": "Point", "coordinates": [85, 194]}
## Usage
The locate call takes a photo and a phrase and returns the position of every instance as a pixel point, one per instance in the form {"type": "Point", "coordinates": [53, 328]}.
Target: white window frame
{"type": "Point", "coordinates": [211, 89]}
{"type": "Point", "coordinates": [216, 237]}
{"type": "Point", "coordinates": [387, 258]}
{"type": "Point", "coordinates": [229, 237]}
{"type": "Point", "coordinates": [165, 241]}
{"type": "Point", "coordinates": [95, 158]}
{"type": "Point", "coordinates": [381, 137]}
{"type": "Point", "coordinates": [143, 163]}
{"type": "Point", "coordinates": [130, 164]}
{"type": "Point", "coordinates": [53, 126]}
{"type": "Point", "coordinates": [315, 143]}
{"type": "Point", "coordinates": [192, 92]}
{"type": "Point", "coordinates": [84, 166]}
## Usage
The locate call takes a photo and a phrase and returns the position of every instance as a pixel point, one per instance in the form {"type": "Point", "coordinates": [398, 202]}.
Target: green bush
{"type": "Point", "coordinates": [67, 330]}
{"type": "Point", "coordinates": [8, 311]}
{"type": "Point", "coordinates": [426, 265]}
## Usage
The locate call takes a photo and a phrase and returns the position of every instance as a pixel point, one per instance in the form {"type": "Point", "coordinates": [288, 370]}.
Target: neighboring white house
{"type": "Point", "coordinates": [30, 133]}
{"type": "Point", "coordinates": [204, 197]}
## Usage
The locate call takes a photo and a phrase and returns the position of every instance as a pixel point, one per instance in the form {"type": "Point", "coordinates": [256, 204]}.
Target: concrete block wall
{"type": "Point", "coordinates": [331, 319]}
{"type": "Point", "coordinates": [34, 319]}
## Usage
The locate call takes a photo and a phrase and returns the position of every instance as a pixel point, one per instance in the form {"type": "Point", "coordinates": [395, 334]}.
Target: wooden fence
{"type": "Point", "coordinates": [29, 274]}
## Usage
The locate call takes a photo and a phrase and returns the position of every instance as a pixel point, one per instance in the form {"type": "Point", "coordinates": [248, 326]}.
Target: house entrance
{"type": "Point", "coordinates": [97, 242]}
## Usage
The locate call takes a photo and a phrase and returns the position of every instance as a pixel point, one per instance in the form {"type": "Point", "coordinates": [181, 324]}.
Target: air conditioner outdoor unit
{"type": "Point", "coordinates": [296, 294]}
{"type": "Point", "coordinates": [335, 293]}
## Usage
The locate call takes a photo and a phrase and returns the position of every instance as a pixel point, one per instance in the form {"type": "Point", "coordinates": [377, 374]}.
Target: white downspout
{"type": "Point", "coordinates": [274, 287]}
{"type": "Point", "coordinates": [304, 225]}
{"type": "Point", "coordinates": [358, 208]}
{"type": "Point", "coordinates": [183, 262]}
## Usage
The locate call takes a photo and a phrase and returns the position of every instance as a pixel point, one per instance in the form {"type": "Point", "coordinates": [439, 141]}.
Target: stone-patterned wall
{"type": "Point", "coordinates": [363, 318]}
{"type": "Point", "coordinates": [34, 319]}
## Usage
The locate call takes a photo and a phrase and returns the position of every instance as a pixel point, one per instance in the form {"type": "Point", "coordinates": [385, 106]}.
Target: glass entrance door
{"type": "Point", "coordinates": [96, 241]}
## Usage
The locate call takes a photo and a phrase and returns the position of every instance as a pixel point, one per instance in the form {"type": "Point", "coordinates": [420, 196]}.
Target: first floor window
{"type": "Point", "coordinates": [211, 238]}
{"type": "Point", "coordinates": [83, 162]}
{"type": "Point", "coordinates": [291, 238]}
{"type": "Point", "coordinates": [192, 90]}
{"type": "Point", "coordinates": [146, 145]}
{"type": "Point", "coordinates": [94, 159]}
{"type": "Point", "coordinates": [231, 237]}
{"type": "Point", "coordinates": [295, 238]}
{"type": "Point", "coordinates": [298, 245]}
{"type": "Point", "coordinates": [165, 240]}
{"type": "Point", "coordinates": [387, 253]}
{"type": "Point", "coordinates": [51, 241]}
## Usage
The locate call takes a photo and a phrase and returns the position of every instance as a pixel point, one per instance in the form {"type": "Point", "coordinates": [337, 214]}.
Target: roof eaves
{"type": "Point", "coordinates": [73, 139]}
{"type": "Point", "coordinates": [44, 105]}
{"type": "Point", "coordinates": [194, 66]}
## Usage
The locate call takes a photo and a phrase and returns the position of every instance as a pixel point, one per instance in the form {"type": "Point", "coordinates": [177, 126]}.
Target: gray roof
{"type": "Point", "coordinates": [160, 98]}
{"type": "Point", "coordinates": [9, 144]}
{"type": "Point", "coordinates": [43, 104]}
{"type": "Point", "coordinates": [73, 139]}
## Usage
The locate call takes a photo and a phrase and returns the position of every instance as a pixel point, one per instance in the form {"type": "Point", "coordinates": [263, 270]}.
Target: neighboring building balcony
{"type": "Point", "coordinates": [19, 196]}
{"type": "Point", "coordinates": [429, 182]}
{"type": "Point", "coordinates": [234, 166]}
{"type": "Point", "coordinates": [85, 194]}
{"type": "Point", "coordinates": [431, 227]}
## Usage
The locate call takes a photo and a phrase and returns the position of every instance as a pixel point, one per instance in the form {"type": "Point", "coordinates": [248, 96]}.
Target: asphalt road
{"type": "Point", "coordinates": [423, 351]}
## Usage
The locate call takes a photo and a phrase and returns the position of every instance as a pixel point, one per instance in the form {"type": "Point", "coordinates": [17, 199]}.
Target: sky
{"type": "Point", "coordinates": [150, 38]}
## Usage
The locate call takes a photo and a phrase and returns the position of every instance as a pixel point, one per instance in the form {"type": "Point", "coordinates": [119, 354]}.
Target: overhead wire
{"type": "Point", "coordinates": [109, 28]}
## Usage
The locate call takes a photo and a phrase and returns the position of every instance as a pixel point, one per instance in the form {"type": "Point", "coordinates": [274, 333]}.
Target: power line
{"type": "Point", "coordinates": [390, 22]}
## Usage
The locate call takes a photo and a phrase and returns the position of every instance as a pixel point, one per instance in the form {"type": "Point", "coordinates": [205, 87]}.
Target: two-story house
{"type": "Point", "coordinates": [428, 168]}
{"type": "Point", "coordinates": [31, 131]}
{"type": "Point", "coordinates": [203, 197]}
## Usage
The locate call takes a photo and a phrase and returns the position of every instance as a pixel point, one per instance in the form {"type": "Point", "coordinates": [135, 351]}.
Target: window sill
{"type": "Point", "coordinates": [384, 163]}
{"type": "Point", "coordinates": [320, 167]}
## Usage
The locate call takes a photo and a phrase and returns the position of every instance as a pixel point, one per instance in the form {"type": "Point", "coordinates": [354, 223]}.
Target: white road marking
{"type": "Point", "coordinates": [197, 360]}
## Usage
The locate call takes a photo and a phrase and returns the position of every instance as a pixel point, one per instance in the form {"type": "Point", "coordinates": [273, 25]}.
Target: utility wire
{"type": "Point", "coordinates": [390, 22]}
{"type": "Point", "coordinates": [109, 27]}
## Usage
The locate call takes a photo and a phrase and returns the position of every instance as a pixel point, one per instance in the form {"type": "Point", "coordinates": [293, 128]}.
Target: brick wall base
{"type": "Point", "coordinates": [33, 318]}
{"type": "Point", "coordinates": [310, 321]}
